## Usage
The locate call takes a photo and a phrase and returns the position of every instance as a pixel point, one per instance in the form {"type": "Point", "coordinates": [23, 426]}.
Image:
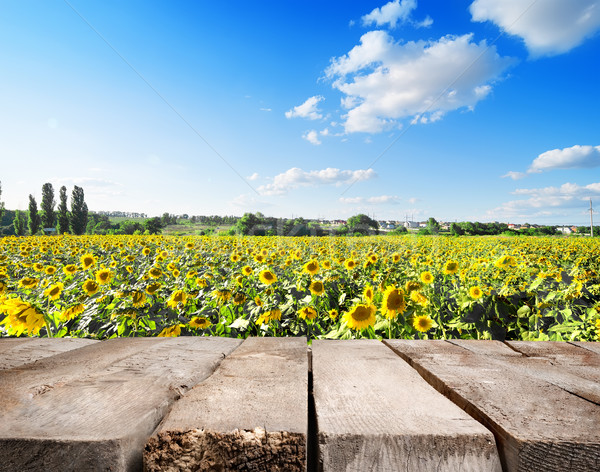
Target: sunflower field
{"type": "Point", "coordinates": [376, 287]}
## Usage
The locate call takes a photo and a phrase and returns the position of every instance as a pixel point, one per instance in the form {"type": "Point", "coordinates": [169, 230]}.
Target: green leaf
{"type": "Point", "coordinates": [523, 311]}
{"type": "Point", "coordinates": [240, 323]}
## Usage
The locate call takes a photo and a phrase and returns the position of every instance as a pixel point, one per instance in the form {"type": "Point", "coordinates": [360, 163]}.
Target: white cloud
{"type": "Point", "coordinates": [252, 177]}
{"type": "Point", "coordinates": [250, 202]}
{"type": "Point", "coordinates": [308, 109]}
{"type": "Point", "coordinates": [547, 201]}
{"type": "Point", "coordinates": [296, 177]}
{"type": "Point", "coordinates": [266, 109]}
{"type": "Point", "coordinates": [312, 137]}
{"type": "Point", "coordinates": [575, 157]}
{"type": "Point", "coordinates": [390, 13]}
{"type": "Point", "coordinates": [384, 81]}
{"type": "Point", "coordinates": [548, 27]}
{"type": "Point", "coordinates": [413, 200]}
{"type": "Point", "coordinates": [352, 200]}
{"type": "Point", "coordinates": [514, 175]}
{"type": "Point", "coordinates": [379, 200]}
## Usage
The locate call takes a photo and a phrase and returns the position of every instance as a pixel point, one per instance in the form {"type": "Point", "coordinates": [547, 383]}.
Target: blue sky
{"type": "Point", "coordinates": [484, 110]}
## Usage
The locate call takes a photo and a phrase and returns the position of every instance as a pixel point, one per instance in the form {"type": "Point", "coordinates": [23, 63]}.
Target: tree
{"type": "Point", "coordinates": [20, 223]}
{"type": "Point", "coordinates": [362, 224]}
{"type": "Point", "coordinates": [63, 212]}
{"type": "Point", "coordinates": [456, 230]}
{"type": "Point", "coordinates": [79, 211]}
{"type": "Point", "coordinates": [34, 217]}
{"type": "Point", "coordinates": [433, 226]}
{"type": "Point", "coordinates": [1, 202]}
{"type": "Point", "coordinates": [250, 224]}
{"type": "Point", "coordinates": [47, 206]}
{"type": "Point", "coordinates": [153, 225]}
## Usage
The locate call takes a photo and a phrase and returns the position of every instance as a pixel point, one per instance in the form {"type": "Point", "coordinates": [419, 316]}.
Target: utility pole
{"type": "Point", "coordinates": [591, 219]}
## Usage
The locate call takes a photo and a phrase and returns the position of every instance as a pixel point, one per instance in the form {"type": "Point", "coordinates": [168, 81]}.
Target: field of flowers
{"type": "Point", "coordinates": [378, 287]}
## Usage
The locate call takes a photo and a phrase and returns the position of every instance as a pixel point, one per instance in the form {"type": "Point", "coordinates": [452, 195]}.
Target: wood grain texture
{"type": "Point", "coordinates": [251, 414]}
{"type": "Point", "coordinates": [590, 346]}
{"type": "Point", "coordinates": [94, 408]}
{"type": "Point", "coordinates": [527, 402]}
{"type": "Point", "coordinates": [375, 413]}
{"type": "Point", "coordinates": [15, 352]}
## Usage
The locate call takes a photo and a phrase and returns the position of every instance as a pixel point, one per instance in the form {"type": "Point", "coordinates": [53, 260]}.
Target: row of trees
{"type": "Point", "coordinates": [48, 219]}
{"type": "Point", "coordinates": [259, 225]}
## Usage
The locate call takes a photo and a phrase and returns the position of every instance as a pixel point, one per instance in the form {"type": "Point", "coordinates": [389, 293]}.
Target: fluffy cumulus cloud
{"type": "Point", "coordinates": [575, 157]}
{"type": "Point", "coordinates": [548, 201]}
{"type": "Point", "coordinates": [309, 109]}
{"type": "Point", "coordinates": [295, 177]}
{"type": "Point", "coordinates": [312, 137]}
{"type": "Point", "coordinates": [378, 200]}
{"type": "Point", "coordinates": [514, 175]}
{"type": "Point", "coordinates": [548, 27]}
{"type": "Point", "coordinates": [394, 13]}
{"type": "Point", "coordinates": [384, 81]}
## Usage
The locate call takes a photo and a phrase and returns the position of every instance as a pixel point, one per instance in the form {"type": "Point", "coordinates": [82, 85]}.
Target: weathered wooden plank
{"type": "Point", "coordinates": [574, 359]}
{"type": "Point", "coordinates": [375, 413]}
{"type": "Point", "coordinates": [486, 348]}
{"type": "Point", "coordinates": [538, 424]}
{"type": "Point", "coordinates": [15, 352]}
{"type": "Point", "coordinates": [94, 408]}
{"type": "Point", "coordinates": [251, 414]}
{"type": "Point", "coordinates": [590, 346]}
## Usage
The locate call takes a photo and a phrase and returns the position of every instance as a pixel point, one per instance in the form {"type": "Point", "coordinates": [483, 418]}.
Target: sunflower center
{"type": "Point", "coordinates": [361, 313]}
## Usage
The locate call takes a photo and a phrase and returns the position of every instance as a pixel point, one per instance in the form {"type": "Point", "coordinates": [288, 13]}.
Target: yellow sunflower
{"type": "Point", "coordinates": [307, 312]}
{"type": "Point", "coordinates": [427, 277]}
{"type": "Point", "coordinates": [368, 294]}
{"type": "Point", "coordinates": [178, 297]}
{"type": "Point", "coordinates": [317, 288]}
{"type": "Point", "coordinates": [393, 302]}
{"type": "Point", "coordinates": [311, 267]}
{"type": "Point", "coordinates": [349, 264]}
{"type": "Point", "coordinates": [475, 292]}
{"type": "Point", "coordinates": [72, 312]}
{"type": "Point", "coordinates": [70, 269]}
{"type": "Point", "coordinates": [267, 277]}
{"type": "Point", "coordinates": [451, 268]}
{"type": "Point", "coordinates": [360, 316]}
{"type": "Point", "coordinates": [87, 261]}
{"type": "Point", "coordinates": [170, 331]}
{"type": "Point", "coordinates": [152, 288]}
{"type": "Point", "coordinates": [28, 282]}
{"type": "Point", "coordinates": [21, 317]}
{"type": "Point", "coordinates": [54, 291]}
{"type": "Point", "coordinates": [155, 272]}
{"type": "Point", "coordinates": [104, 276]}
{"type": "Point", "coordinates": [90, 287]}
{"type": "Point", "coordinates": [200, 322]}
{"type": "Point", "coordinates": [422, 323]}
{"type": "Point", "coordinates": [138, 298]}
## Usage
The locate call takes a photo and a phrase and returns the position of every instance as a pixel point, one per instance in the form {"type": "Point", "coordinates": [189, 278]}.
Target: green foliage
{"type": "Point", "coordinates": [456, 230]}
{"type": "Point", "coordinates": [397, 231]}
{"type": "Point", "coordinates": [63, 213]}
{"type": "Point", "coordinates": [20, 223]}
{"type": "Point", "coordinates": [153, 225]}
{"type": "Point", "coordinates": [362, 224]}
{"type": "Point", "coordinates": [1, 204]}
{"type": "Point", "coordinates": [433, 226]}
{"type": "Point", "coordinates": [34, 217]}
{"type": "Point", "coordinates": [47, 206]}
{"type": "Point", "coordinates": [79, 211]}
